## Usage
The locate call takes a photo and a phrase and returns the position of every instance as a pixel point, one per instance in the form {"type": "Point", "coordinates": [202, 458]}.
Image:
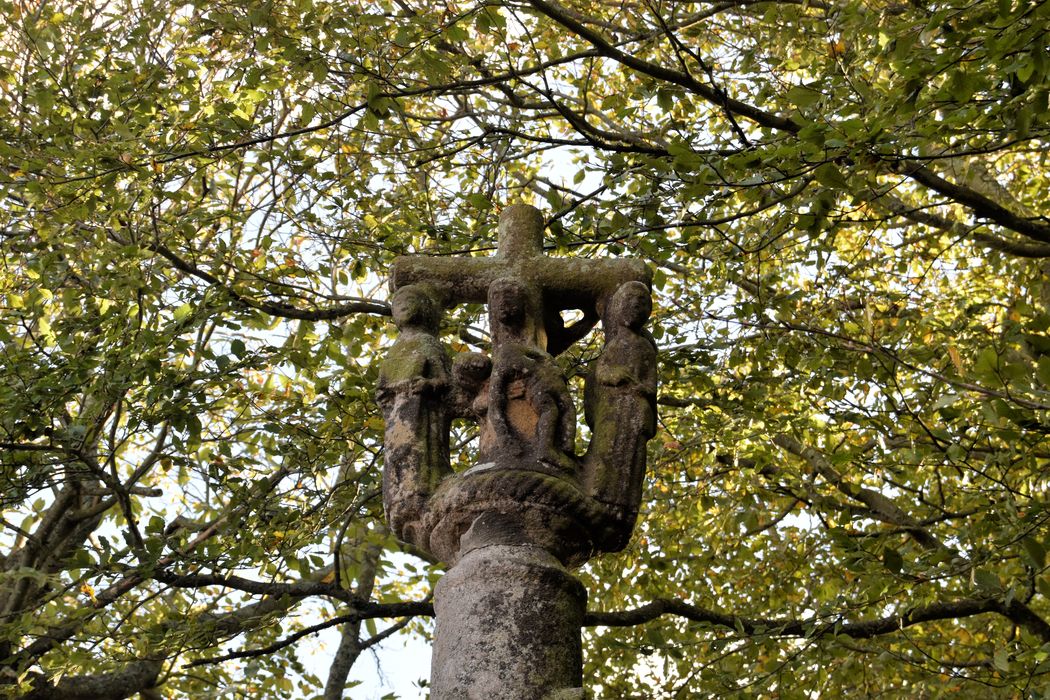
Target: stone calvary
{"type": "Point", "coordinates": [508, 612]}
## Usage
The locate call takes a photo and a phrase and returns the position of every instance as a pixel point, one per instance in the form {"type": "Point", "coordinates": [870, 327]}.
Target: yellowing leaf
{"type": "Point", "coordinates": [87, 590]}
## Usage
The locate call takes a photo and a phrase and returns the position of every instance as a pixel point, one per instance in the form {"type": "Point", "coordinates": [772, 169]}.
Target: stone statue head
{"type": "Point", "coordinates": [471, 368]}
{"type": "Point", "coordinates": [414, 306]}
{"type": "Point", "coordinates": [630, 306]}
{"type": "Point", "coordinates": [509, 303]}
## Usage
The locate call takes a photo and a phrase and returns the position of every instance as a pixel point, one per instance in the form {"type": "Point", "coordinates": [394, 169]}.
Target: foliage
{"type": "Point", "coordinates": [844, 204]}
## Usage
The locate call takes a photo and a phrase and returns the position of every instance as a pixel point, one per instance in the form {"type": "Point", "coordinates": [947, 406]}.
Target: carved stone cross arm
{"type": "Point", "coordinates": [566, 283]}
{"type": "Point", "coordinates": [558, 283]}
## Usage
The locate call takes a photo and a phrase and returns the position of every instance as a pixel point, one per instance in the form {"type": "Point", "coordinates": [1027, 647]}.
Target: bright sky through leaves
{"type": "Point", "coordinates": [844, 205]}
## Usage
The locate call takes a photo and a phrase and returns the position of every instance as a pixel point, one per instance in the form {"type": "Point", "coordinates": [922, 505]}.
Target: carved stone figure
{"type": "Point", "coordinates": [620, 403]}
{"type": "Point", "coordinates": [413, 384]}
{"type": "Point", "coordinates": [531, 413]}
{"type": "Point", "coordinates": [470, 376]}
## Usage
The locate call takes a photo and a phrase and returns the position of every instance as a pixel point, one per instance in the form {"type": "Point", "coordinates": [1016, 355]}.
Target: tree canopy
{"type": "Point", "coordinates": [843, 202]}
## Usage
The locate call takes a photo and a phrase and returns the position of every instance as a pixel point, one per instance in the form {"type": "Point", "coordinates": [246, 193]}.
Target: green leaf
{"type": "Point", "coordinates": [1001, 659]}
{"type": "Point", "coordinates": [155, 525]}
{"type": "Point", "coordinates": [892, 560]}
{"type": "Point", "coordinates": [802, 96]}
{"type": "Point", "coordinates": [479, 201]}
{"type": "Point", "coordinates": [945, 401]}
{"type": "Point", "coordinates": [1035, 551]}
{"type": "Point", "coordinates": [183, 312]}
{"type": "Point", "coordinates": [830, 176]}
{"type": "Point", "coordinates": [987, 580]}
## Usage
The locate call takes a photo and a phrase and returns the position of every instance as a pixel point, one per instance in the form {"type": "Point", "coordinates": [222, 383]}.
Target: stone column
{"type": "Point", "coordinates": [508, 620]}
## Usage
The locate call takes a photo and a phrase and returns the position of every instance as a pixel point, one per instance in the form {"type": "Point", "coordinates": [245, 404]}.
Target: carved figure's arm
{"type": "Point", "coordinates": [647, 364]}
{"type": "Point", "coordinates": [498, 394]}
{"type": "Point", "coordinates": [633, 363]}
{"type": "Point", "coordinates": [411, 385]}
{"type": "Point", "coordinates": [614, 375]}
{"type": "Point", "coordinates": [436, 370]}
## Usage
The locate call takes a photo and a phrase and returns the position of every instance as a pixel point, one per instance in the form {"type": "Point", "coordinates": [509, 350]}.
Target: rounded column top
{"type": "Point", "coordinates": [520, 232]}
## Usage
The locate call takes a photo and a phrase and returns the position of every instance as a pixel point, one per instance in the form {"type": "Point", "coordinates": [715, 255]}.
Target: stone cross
{"type": "Point", "coordinates": [558, 283]}
{"type": "Point", "coordinates": [508, 612]}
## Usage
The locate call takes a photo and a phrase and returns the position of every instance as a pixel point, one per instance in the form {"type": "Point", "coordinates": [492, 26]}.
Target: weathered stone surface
{"type": "Point", "coordinates": [530, 411]}
{"type": "Point", "coordinates": [413, 384]}
{"type": "Point", "coordinates": [620, 408]}
{"type": "Point", "coordinates": [560, 283]}
{"type": "Point", "coordinates": [508, 620]}
{"type": "Point", "coordinates": [519, 398]}
{"type": "Point", "coordinates": [508, 612]}
{"type": "Point", "coordinates": [549, 507]}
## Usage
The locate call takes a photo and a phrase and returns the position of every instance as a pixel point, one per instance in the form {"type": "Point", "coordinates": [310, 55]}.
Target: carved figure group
{"type": "Point", "coordinates": [519, 396]}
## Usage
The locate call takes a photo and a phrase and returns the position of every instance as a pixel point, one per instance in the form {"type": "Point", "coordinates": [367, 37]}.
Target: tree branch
{"type": "Point", "coordinates": [709, 93]}
{"type": "Point", "coordinates": [365, 612]}
{"type": "Point", "coordinates": [135, 677]}
{"type": "Point", "coordinates": [981, 205]}
{"type": "Point", "coordinates": [299, 589]}
{"type": "Point", "coordinates": [1018, 248]}
{"type": "Point", "coordinates": [272, 308]}
{"type": "Point", "coordinates": [881, 507]}
{"type": "Point", "coordinates": [1016, 612]}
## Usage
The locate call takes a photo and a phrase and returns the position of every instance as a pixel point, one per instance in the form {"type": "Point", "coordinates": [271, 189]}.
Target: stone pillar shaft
{"type": "Point", "coordinates": [508, 627]}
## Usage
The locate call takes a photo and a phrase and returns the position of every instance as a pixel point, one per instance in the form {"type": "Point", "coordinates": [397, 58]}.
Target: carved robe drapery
{"type": "Point", "coordinates": [620, 403]}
